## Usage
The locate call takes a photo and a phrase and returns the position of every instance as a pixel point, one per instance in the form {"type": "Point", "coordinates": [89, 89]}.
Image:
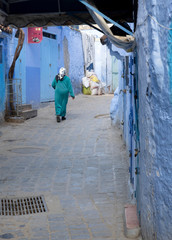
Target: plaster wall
{"type": "Point", "coordinates": [7, 55]}
{"type": "Point", "coordinates": [72, 52]}
{"type": "Point", "coordinates": [8, 45]}
{"type": "Point", "coordinates": [124, 102]}
{"type": "Point", "coordinates": [68, 54]}
{"type": "Point", "coordinates": [39, 63]}
{"type": "Point", "coordinates": [103, 59]}
{"type": "Point", "coordinates": [155, 117]}
{"type": "Point", "coordinates": [2, 79]}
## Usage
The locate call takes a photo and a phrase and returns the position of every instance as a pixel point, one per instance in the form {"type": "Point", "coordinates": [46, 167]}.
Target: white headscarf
{"type": "Point", "coordinates": [62, 72]}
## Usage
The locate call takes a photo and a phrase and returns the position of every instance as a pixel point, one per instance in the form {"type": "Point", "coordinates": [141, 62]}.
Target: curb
{"type": "Point", "coordinates": [131, 223]}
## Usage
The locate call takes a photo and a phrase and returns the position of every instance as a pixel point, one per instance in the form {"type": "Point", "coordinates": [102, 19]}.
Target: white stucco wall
{"type": "Point", "coordinates": [103, 58]}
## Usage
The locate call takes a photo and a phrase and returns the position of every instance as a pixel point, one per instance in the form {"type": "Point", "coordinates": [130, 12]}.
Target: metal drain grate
{"type": "Point", "coordinates": [22, 206]}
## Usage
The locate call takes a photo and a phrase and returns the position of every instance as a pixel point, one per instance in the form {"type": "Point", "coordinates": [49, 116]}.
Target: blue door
{"type": "Point", "coordinates": [49, 58]}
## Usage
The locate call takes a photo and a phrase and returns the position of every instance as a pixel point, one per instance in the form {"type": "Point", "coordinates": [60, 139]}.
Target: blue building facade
{"type": "Point", "coordinates": [145, 116]}
{"type": "Point", "coordinates": [124, 113]}
{"type": "Point", "coordinates": [155, 118]}
{"type": "Point", "coordinates": [38, 64]}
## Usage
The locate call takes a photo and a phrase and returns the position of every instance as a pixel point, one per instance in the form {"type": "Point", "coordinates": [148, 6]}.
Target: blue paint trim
{"type": "Point", "coordinates": [107, 18]}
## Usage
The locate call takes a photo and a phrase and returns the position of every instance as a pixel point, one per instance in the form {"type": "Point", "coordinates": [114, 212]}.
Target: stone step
{"type": "Point", "coordinates": [13, 119]}
{"type": "Point", "coordinates": [26, 107]}
{"type": "Point", "coordinates": [29, 114]}
{"type": "Point", "coordinates": [131, 223]}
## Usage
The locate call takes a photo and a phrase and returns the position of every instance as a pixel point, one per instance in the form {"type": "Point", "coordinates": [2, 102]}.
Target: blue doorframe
{"type": "Point", "coordinates": [137, 135]}
{"type": "Point", "coordinates": [134, 145]}
{"type": "Point", "coordinates": [131, 129]}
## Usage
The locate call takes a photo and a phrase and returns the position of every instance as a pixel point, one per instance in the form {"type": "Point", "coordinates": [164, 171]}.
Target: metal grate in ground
{"type": "Point", "coordinates": [22, 206]}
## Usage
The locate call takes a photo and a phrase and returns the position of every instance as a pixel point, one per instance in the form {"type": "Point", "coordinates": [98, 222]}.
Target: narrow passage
{"type": "Point", "coordinates": [79, 166]}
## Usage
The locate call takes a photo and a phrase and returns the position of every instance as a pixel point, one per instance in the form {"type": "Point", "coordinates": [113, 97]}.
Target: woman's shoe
{"type": "Point", "coordinates": [63, 118]}
{"type": "Point", "coordinates": [58, 118]}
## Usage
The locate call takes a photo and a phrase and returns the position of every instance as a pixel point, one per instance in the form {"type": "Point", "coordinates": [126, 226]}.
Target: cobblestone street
{"type": "Point", "coordinates": [79, 166]}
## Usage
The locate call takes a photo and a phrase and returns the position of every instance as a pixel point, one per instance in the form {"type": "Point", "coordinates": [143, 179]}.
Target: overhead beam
{"type": "Point", "coordinates": [105, 17]}
{"type": "Point", "coordinates": [16, 1]}
{"type": "Point", "coordinates": [86, 22]}
{"type": "Point", "coordinates": [4, 7]}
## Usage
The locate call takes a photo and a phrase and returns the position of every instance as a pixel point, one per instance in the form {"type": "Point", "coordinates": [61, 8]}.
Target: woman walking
{"type": "Point", "coordinates": [63, 87]}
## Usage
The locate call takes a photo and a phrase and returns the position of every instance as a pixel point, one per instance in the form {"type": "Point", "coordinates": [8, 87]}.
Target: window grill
{"type": "Point", "coordinates": [49, 35]}
{"type": "Point", "coordinates": [13, 97]}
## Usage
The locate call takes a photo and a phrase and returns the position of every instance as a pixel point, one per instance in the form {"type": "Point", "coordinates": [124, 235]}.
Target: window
{"type": "Point", "coordinates": [49, 35]}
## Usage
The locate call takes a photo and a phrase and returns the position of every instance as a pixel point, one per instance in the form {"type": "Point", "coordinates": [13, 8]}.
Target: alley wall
{"type": "Point", "coordinates": [5, 38]}
{"type": "Point", "coordinates": [104, 63]}
{"type": "Point", "coordinates": [39, 63]}
{"type": "Point", "coordinates": [154, 46]}
{"type": "Point", "coordinates": [2, 77]}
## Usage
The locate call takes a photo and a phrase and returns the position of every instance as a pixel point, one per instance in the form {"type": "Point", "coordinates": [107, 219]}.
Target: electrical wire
{"type": "Point", "coordinates": [153, 18]}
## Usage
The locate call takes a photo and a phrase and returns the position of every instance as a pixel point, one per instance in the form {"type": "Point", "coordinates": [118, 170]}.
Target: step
{"type": "Point", "coordinates": [14, 119]}
{"type": "Point", "coordinates": [29, 114]}
{"type": "Point", "coordinates": [131, 223]}
{"type": "Point", "coordinates": [26, 107]}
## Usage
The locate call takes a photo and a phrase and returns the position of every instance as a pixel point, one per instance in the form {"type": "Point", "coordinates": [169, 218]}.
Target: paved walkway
{"type": "Point", "coordinates": [79, 166]}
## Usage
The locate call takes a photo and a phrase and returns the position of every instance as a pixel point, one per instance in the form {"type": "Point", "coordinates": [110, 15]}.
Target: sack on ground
{"type": "Point", "coordinates": [94, 91]}
{"type": "Point", "coordinates": [94, 85]}
{"type": "Point", "coordinates": [86, 91]}
{"type": "Point", "coordinates": [86, 82]}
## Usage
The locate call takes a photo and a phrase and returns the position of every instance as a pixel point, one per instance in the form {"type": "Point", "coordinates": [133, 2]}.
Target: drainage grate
{"type": "Point", "coordinates": [22, 206]}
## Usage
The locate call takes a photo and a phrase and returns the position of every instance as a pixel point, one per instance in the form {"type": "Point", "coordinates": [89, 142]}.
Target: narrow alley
{"type": "Point", "coordinates": [79, 166]}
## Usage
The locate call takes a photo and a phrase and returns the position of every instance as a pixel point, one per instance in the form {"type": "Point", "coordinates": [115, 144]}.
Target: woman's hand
{"type": "Point", "coordinates": [73, 97]}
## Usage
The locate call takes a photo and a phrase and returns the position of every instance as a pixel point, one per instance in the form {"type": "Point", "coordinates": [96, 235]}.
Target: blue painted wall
{"type": "Point", "coordinates": [2, 80]}
{"type": "Point", "coordinates": [48, 68]}
{"type": "Point", "coordinates": [155, 118]}
{"type": "Point", "coordinates": [73, 57]}
{"type": "Point", "coordinates": [32, 73]}
{"type": "Point", "coordinates": [20, 67]}
{"type": "Point", "coordinates": [125, 118]}
{"type": "Point", "coordinates": [152, 119]}
{"type": "Point", "coordinates": [4, 39]}
{"type": "Point", "coordinates": [33, 86]}
{"type": "Point", "coordinates": [39, 63]}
